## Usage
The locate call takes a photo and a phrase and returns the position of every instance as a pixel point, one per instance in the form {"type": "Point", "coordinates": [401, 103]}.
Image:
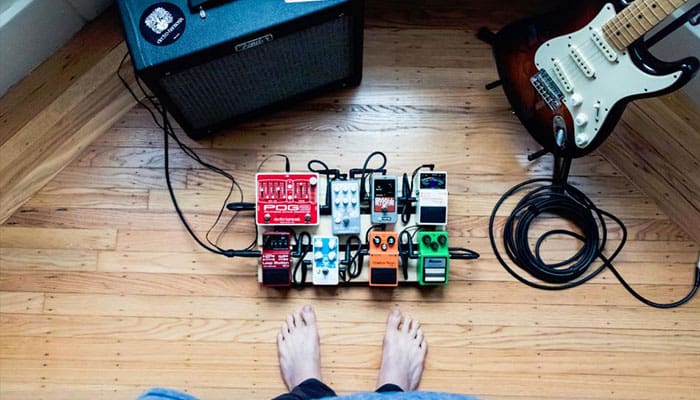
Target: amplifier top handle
{"type": "Point", "coordinates": [198, 5]}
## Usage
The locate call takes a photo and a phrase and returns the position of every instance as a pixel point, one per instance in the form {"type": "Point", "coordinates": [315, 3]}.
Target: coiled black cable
{"type": "Point", "coordinates": [567, 202]}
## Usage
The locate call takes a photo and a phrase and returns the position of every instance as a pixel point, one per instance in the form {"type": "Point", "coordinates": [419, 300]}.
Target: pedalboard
{"type": "Point", "coordinates": [345, 202]}
{"type": "Point", "coordinates": [325, 260]}
{"type": "Point", "coordinates": [431, 198]}
{"type": "Point", "coordinates": [276, 259]}
{"type": "Point", "coordinates": [383, 259]}
{"type": "Point", "coordinates": [433, 258]}
{"type": "Point", "coordinates": [287, 199]}
{"type": "Point", "coordinates": [383, 199]}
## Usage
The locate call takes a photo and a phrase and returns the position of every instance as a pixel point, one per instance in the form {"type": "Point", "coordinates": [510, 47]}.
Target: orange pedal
{"type": "Point", "coordinates": [384, 259]}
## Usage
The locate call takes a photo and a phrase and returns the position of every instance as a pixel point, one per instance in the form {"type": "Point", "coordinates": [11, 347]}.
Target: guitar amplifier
{"type": "Point", "coordinates": [214, 63]}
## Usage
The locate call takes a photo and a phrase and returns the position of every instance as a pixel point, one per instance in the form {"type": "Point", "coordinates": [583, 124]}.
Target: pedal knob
{"type": "Point", "coordinates": [426, 240]}
{"type": "Point", "coordinates": [442, 239]}
{"type": "Point", "coordinates": [384, 246]}
{"type": "Point", "coordinates": [377, 240]}
{"type": "Point", "coordinates": [581, 120]}
{"type": "Point", "coordinates": [346, 221]}
{"type": "Point", "coordinates": [318, 255]}
{"type": "Point", "coordinates": [331, 255]}
{"type": "Point", "coordinates": [576, 100]}
{"type": "Point", "coordinates": [391, 240]}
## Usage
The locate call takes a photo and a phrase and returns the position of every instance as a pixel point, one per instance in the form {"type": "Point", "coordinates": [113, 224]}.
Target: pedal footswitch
{"type": "Point", "coordinates": [383, 259]}
{"type": "Point", "coordinates": [431, 202]}
{"type": "Point", "coordinates": [345, 199]}
{"type": "Point", "coordinates": [287, 199]}
{"type": "Point", "coordinates": [383, 199]}
{"type": "Point", "coordinates": [276, 259]}
{"type": "Point", "coordinates": [433, 258]}
{"type": "Point", "coordinates": [325, 260]}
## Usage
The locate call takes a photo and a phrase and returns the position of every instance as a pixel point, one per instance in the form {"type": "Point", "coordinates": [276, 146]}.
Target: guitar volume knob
{"type": "Point", "coordinates": [581, 120]}
{"type": "Point", "coordinates": [576, 100]}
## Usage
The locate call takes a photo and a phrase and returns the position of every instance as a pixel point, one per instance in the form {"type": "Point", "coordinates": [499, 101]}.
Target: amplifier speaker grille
{"type": "Point", "coordinates": [242, 82]}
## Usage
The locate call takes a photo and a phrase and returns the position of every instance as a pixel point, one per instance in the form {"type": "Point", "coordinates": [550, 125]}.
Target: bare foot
{"type": "Point", "coordinates": [404, 352]}
{"type": "Point", "coordinates": [299, 348]}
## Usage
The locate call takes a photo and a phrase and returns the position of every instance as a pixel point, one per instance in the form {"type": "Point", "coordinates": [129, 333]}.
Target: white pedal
{"type": "Point", "coordinates": [325, 260]}
{"type": "Point", "coordinates": [431, 198]}
{"type": "Point", "coordinates": [345, 203]}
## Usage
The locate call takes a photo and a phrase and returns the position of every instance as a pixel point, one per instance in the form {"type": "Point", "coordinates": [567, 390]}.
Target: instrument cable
{"type": "Point", "coordinates": [168, 132]}
{"type": "Point", "coordinates": [561, 199]}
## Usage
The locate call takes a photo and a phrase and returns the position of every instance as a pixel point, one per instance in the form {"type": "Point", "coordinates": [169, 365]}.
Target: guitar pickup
{"type": "Point", "coordinates": [603, 45]}
{"type": "Point", "coordinates": [563, 77]}
{"type": "Point", "coordinates": [582, 62]}
{"type": "Point", "coordinates": [547, 89]}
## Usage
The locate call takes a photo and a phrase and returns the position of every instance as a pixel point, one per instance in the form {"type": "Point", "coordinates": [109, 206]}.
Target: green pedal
{"type": "Point", "coordinates": [433, 258]}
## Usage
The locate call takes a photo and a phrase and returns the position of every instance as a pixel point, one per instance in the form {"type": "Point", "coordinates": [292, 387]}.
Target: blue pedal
{"type": "Point", "coordinates": [325, 260]}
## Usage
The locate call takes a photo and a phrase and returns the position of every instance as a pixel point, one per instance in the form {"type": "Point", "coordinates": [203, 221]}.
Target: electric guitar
{"type": "Point", "coordinates": [570, 74]}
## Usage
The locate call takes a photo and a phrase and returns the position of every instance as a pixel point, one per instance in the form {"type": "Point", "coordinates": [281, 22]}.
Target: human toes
{"type": "Point", "coordinates": [413, 329]}
{"type": "Point", "coordinates": [298, 321]}
{"type": "Point", "coordinates": [284, 330]}
{"type": "Point", "coordinates": [308, 314]}
{"type": "Point", "coordinates": [419, 335]}
{"type": "Point", "coordinates": [290, 323]}
{"type": "Point", "coordinates": [393, 320]}
{"type": "Point", "coordinates": [406, 324]}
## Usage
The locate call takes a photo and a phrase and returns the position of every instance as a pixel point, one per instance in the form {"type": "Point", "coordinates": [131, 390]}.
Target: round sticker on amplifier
{"type": "Point", "coordinates": [162, 23]}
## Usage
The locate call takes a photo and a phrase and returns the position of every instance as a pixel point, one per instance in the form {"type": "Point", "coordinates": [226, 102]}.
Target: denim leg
{"type": "Point", "coordinates": [165, 394]}
{"type": "Point", "coordinates": [308, 390]}
{"type": "Point", "coordinates": [389, 387]}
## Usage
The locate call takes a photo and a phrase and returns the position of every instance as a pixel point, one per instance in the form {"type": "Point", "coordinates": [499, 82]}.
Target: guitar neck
{"type": "Point", "coordinates": [637, 19]}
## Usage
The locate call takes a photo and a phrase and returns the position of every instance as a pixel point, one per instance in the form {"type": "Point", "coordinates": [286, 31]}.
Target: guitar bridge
{"type": "Point", "coordinates": [547, 89]}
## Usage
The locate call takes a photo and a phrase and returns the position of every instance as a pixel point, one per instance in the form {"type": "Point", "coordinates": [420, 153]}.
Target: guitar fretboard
{"type": "Point", "coordinates": [638, 19]}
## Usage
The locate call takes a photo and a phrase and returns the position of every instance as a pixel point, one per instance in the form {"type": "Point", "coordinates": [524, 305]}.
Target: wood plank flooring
{"type": "Point", "coordinates": [103, 294]}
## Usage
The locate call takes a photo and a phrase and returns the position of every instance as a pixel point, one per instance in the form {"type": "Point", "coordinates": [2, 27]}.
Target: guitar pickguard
{"type": "Point", "coordinates": [593, 76]}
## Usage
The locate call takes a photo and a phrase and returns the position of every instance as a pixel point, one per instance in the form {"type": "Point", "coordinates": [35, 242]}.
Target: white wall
{"type": "Point", "coordinates": [32, 30]}
{"type": "Point", "coordinates": [682, 43]}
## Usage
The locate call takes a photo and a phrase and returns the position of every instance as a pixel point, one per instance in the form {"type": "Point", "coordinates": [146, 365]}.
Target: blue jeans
{"type": "Point", "coordinates": [314, 389]}
{"type": "Point", "coordinates": [310, 389]}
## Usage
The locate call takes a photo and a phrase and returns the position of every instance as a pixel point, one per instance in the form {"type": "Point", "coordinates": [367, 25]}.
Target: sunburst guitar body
{"type": "Point", "coordinates": [570, 74]}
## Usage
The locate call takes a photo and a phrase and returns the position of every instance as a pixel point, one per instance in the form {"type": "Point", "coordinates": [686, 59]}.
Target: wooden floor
{"type": "Point", "coordinates": [103, 294]}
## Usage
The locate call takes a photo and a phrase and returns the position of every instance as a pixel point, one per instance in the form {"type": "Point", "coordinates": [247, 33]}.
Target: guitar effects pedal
{"type": "Point", "coordinates": [287, 199]}
{"type": "Point", "coordinates": [345, 198]}
{"type": "Point", "coordinates": [433, 258]}
{"type": "Point", "coordinates": [383, 199]}
{"type": "Point", "coordinates": [276, 259]}
{"type": "Point", "coordinates": [325, 260]}
{"type": "Point", "coordinates": [383, 259]}
{"type": "Point", "coordinates": [431, 203]}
